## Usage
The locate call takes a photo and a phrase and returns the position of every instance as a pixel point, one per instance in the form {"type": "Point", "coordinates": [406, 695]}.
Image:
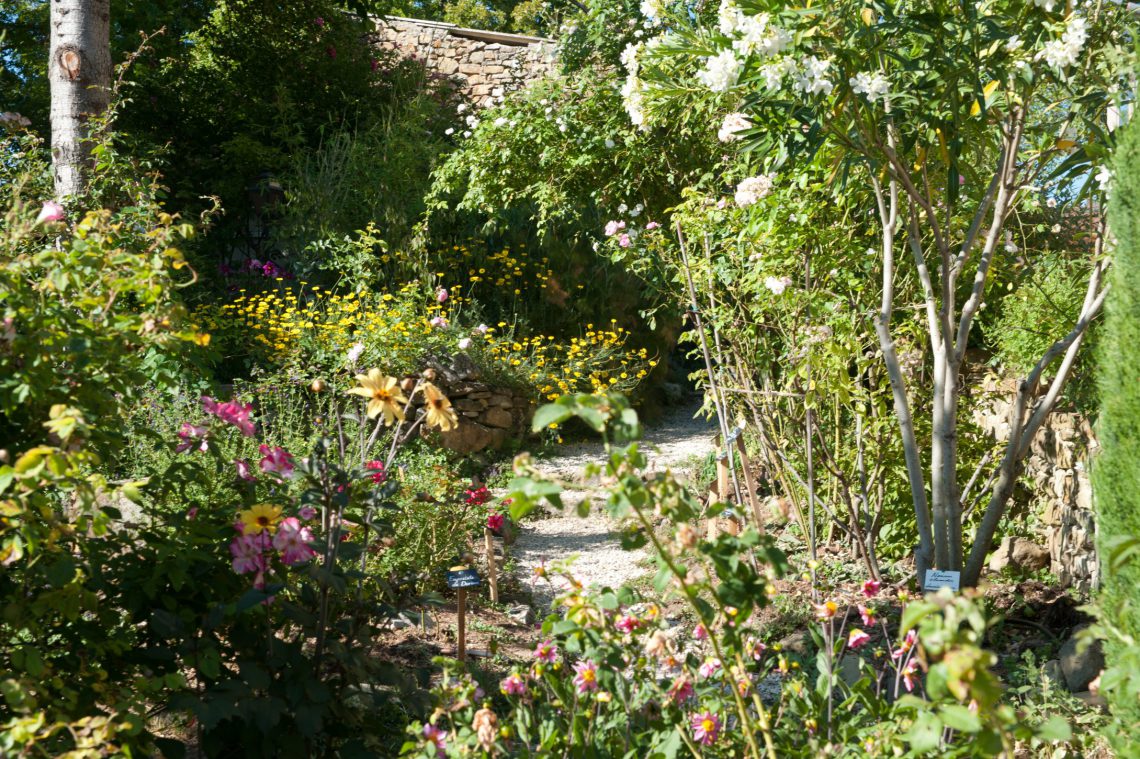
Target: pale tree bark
{"type": "Point", "coordinates": [79, 69]}
{"type": "Point", "coordinates": [940, 519]}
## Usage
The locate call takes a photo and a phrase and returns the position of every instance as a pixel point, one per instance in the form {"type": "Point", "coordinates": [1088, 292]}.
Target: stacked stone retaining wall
{"type": "Point", "coordinates": [484, 65]}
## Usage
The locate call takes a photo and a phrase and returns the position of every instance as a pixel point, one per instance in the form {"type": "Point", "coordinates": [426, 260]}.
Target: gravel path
{"type": "Point", "coordinates": [677, 442]}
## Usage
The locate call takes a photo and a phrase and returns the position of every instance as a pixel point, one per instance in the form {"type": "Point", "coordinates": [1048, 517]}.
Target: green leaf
{"type": "Point", "coordinates": [1054, 729]}
{"type": "Point", "coordinates": [549, 414]}
{"type": "Point", "coordinates": [914, 613]}
{"type": "Point", "coordinates": [925, 734]}
{"type": "Point", "coordinates": [960, 718]}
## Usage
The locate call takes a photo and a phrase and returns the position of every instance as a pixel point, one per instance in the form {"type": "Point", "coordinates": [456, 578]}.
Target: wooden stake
{"type": "Point", "coordinates": [722, 475]}
{"type": "Point", "coordinates": [461, 596]}
{"type": "Point", "coordinates": [492, 578]}
{"type": "Point", "coordinates": [757, 514]}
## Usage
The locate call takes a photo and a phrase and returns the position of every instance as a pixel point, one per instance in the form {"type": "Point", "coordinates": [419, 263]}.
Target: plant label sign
{"type": "Point", "coordinates": [460, 578]}
{"type": "Point", "coordinates": [937, 579]}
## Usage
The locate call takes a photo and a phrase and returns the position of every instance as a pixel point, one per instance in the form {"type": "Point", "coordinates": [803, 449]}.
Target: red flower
{"type": "Point", "coordinates": [495, 522]}
{"type": "Point", "coordinates": [379, 473]}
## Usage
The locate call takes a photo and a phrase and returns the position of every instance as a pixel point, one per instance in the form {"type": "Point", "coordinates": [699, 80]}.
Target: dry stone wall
{"type": "Point", "coordinates": [1057, 465]}
{"type": "Point", "coordinates": [484, 65]}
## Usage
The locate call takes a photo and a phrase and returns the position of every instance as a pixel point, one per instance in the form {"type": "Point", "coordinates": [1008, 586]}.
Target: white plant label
{"type": "Point", "coordinates": [936, 579]}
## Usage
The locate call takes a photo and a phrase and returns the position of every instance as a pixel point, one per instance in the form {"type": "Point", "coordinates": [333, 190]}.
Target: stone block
{"type": "Point", "coordinates": [497, 417]}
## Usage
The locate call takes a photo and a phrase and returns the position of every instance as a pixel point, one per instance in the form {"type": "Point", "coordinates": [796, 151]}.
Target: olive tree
{"type": "Point", "coordinates": [957, 115]}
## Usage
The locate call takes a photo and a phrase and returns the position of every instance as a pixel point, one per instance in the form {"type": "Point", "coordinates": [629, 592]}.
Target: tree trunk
{"type": "Point", "coordinates": [79, 69]}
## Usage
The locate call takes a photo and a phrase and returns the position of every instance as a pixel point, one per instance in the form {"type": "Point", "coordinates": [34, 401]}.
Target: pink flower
{"type": "Point", "coordinates": [276, 461]}
{"type": "Point", "coordinates": [230, 412]}
{"type": "Point", "coordinates": [192, 512]}
{"type": "Point", "coordinates": [292, 540]}
{"type": "Point", "coordinates": [441, 295]}
{"type": "Point", "coordinates": [706, 727]}
{"type": "Point", "coordinates": [477, 496]}
{"type": "Point", "coordinates": [906, 645]}
{"type": "Point", "coordinates": [374, 63]}
{"type": "Point", "coordinates": [189, 434]}
{"type": "Point", "coordinates": [857, 638]}
{"type": "Point", "coordinates": [513, 685]}
{"type": "Point", "coordinates": [439, 322]}
{"type": "Point", "coordinates": [247, 556]}
{"type": "Point", "coordinates": [868, 615]}
{"type": "Point", "coordinates": [379, 474]}
{"type": "Point", "coordinates": [331, 51]}
{"type": "Point", "coordinates": [700, 633]}
{"type": "Point", "coordinates": [586, 677]}
{"type": "Point", "coordinates": [624, 241]}
{"type": "Point", "coordinates": [51, 211]}
{"type": "Point", "coordinates": [652, 225]}
{"type": "Point", "coordinates": [320, 22]}
{"type": "Point", "coordinates": [495, 522]}
{"type": "Point", "coordinates": [871, 588]}
{"type": "Point", "coordinates": [709, 668]}
{"type": "Point", "coordinates": [243, 470]}
{"type": "Point", "coordinates": [613, 227]}
{"type": "Point", "coordinates": [908, 673]}
{"type": "Point", "coordinates": [546, 651]}
{"type": "Point", "coordinates": [627, 624]}
{"type": "Point", "coordinates": [306, 513]}
{"type": "Point", "coordinates": [757, 650]}
{"type": "Point", "coordinates": [681, 690]}
{"type": "Point", "coordinates": [437, 738]}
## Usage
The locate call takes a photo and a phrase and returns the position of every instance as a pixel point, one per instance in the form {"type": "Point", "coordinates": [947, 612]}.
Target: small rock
{"type": "Point", "coordinates": [1081, 663]}
{"type": "Point", "coordinates": [522, 614]}
{"type": "Point", "coordinates": [1020, 554]}
{"type": "Point", "coordinates": [1051, 670]}
{"type": "Point", "coordinates": [796, 643]}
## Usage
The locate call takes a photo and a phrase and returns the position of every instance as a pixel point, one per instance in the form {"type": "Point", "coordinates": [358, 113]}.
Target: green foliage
{"type": "Point", "coordinates": [1116, 473]}
{"type": "Point", "coordinates": [1044, 299]}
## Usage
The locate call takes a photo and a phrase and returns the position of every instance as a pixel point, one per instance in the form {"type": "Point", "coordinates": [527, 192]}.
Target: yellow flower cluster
{"type": "Point", "coordinates": [305, 326]}
{"type": "Point", "coordinates": [315, 324]}
{"type": "Point", "coordinates": [597, 363]}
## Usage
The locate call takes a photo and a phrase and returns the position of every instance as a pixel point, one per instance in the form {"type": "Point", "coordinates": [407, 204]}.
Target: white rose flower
{"type": "Point", "coordinates": [777, 285]}
{"type": "Point", "coordinates": [733, 124]}
{"type": "Point", "coordinates": [721, 71]}
{"type": "Point", "coordinates": [464, 343]}
{"type": "Point", "coordinates": [874, 86]}
{"type": "Point", "coordinates": [752, 189]}
{"type": "Point", "coordinates": [1063, 53]}
{"type": "Point", "coordinates": [810, 79]}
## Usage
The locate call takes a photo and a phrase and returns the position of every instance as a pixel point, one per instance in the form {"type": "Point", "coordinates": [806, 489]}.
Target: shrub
{"type": "Point", "coordinates": [1116, 471]}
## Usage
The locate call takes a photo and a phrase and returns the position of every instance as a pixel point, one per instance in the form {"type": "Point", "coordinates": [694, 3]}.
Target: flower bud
{"type": "Point", "coordinates": [318, 385]}
{"type": "Point", "coordinates": [428, 374]}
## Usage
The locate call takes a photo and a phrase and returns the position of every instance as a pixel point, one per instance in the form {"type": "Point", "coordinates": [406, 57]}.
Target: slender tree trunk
{"type": "Point", "coordinates": [79, 69]}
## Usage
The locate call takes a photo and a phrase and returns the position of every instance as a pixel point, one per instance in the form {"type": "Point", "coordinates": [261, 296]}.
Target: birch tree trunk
{"type": "Point", "coordinates": [79, 69]}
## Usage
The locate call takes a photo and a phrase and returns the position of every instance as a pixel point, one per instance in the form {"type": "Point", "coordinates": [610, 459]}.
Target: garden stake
{"type": "Point", "coordinates": [714, 390]}
{"type": "Point", "coordinates": [488, 538]}
{"type": "Point", "coordinates": [461, 602]}
{"type": "Point", "coordinates": [749, 485]}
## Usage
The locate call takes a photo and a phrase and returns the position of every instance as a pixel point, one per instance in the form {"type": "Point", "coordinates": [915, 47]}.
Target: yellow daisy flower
{"type": "Point", "coordinates": [263, 516]}
{"type": "Point", "coordinates": [439, 411]}
{"type": "Point", "coordinates": [383, 394]}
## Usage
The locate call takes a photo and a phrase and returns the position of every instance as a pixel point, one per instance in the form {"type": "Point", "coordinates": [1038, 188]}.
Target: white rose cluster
{"type": "Point", "coordinates": [733, 125]}
{"type": "Point", "coordinates": [874, 86]}
{"type": "Point", "coordinates": [810, 78]}
{"type": "Point", "coordinates": [1063, 53]}
{"type": "Point", "coordinates": [653, 10]}
{"type": "Point", "coordinates": [632, 95]}
{"type": "Point", "coordinates": [721, 71]}
{"type": "Point", "coordinates": [752, 189]}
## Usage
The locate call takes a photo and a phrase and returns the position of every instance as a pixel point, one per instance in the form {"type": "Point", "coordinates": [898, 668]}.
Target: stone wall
{"type": "Point", "coordinates": [489, 415]}
{"type": "Point", "coordinates": [484, 65]}
{"type": "Point", "coordinates": [1057, 467]}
